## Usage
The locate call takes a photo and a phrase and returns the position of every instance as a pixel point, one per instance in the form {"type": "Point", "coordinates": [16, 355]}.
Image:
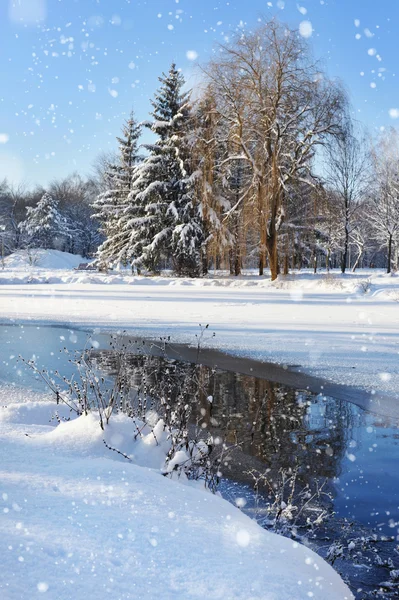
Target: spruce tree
{"type": "Point", "coordinates": [111, 204]}
{"type": "Point", "coordinates": [44, 226]}
{"type": "Point", "coordinates": [163, 220]}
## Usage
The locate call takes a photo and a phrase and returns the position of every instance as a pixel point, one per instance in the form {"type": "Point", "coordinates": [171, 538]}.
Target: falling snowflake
{"type": "Point", "coordinates": [192, 55]}
{"type": "Point", "coordinates": [306, 29]}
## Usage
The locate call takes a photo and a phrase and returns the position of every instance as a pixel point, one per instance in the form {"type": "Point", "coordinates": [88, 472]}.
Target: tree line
{"type": "Point", "coordinates": [265, 168]}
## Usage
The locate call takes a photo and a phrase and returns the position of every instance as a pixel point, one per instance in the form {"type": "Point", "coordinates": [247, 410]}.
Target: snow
{"type": "Point", "coordinates": [343, 328]}
{"type": "Point", "coordinates": [306, 29]}
{"type": "Point", "coordinates": [78, 521]}
{"type": "Point", "coordinates": [192, 55]}
{"type": "Point", "coordinates": [42, 259]}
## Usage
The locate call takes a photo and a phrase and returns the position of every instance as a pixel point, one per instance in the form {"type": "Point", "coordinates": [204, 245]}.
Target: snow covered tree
{"type": "Point", "coordinates": [347, 168]}
{"type": "Point", "coordinates": [279, 108]}
{"type": "Point", "coordinates": [44, 226]}
{"type": "Point", "coordinates": [119, 177]}
{"type": "Point", "coordinates": [361, 233]}
{"type": "Point", "coordinates": [7, 241]}
{"type": "Point", "coordinates": [75, 197]}
{"type": "Point", "coordinates": [163, 220]}
{"type": "Point", "coordinates": [384, 208]}
{"type": "Point", "coordinates": [208, 150]}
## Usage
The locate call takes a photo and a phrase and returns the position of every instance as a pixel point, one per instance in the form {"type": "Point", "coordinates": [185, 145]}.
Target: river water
{"type": "Point", "coordinates": [272, 428]}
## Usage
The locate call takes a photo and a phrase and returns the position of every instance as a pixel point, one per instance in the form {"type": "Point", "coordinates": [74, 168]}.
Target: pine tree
{"type": "Point", "coordinates": [164, 220]}
{"type": "Point", "coordinates": [111, 204]}
{"type": "Point", "coordinates": [44, 226]}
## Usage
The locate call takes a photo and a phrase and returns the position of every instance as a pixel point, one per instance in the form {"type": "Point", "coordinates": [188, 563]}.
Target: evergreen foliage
{"type": "Point", "coordinates": [44, 226]}
{"type": "Point", "coordinates": [163, 218]}
{"type": "Point", "coordinates": [111, 203]}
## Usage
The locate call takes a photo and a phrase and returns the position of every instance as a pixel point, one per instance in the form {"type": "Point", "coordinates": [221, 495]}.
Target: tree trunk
{"type": "Point", "coordinates": [235, 259]}
{"type": "Point", "coordinates": [261, 263]}
{"type": "Point", "coordinates": [328, 260]}
{"type": "Point", "coordinates": [271, 245]}
{"type": "Point", "coordinates": [299, 261]}
{"type": "Point", "coordinates": [286, 267]}
{"type": "Point", "coordinates": [237, 264]}
{"type": "Point", "coordinates": [204, 262]}
{"type": "Point", "coordinates": [262, 245]}
{"type": "Point", "coordinates": [389, 253]}
{"type": "Point", "coordinates": [357, 261]}
{"type": "Point", "coordinates": [345, 252]}
{"type": "Point", "coordinates": [231, 262]}
{"type": "Point", "coordinates": [346, 242]}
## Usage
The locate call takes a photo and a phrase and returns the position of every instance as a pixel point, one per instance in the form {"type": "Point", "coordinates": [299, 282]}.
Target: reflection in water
{"type": "Point", "coordinates": [277, 428]}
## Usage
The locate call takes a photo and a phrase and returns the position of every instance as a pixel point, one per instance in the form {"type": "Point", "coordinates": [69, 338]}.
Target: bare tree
{"type": "Point", "coordinates": [384, 207]}
{"type": "Point", "coordinates": [207, 153]}
{"type": "Point", "coordinates": [347, 173]}
{"type": "Point", "coordinates": [361, 233]}
{"type": "Point", "coordinates": [279, 107]}
{"type": "Point", "coordinates": [100, 169]}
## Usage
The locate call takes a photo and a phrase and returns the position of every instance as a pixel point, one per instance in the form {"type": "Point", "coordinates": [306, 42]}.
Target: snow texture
{"type": "Point", "coordinates": [43, 259]}
{"type": "Point", "coordinates": [79, 522]}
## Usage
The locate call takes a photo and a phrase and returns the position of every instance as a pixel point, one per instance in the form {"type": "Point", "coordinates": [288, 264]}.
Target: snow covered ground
{"type": "Point", "coordinates": [36, 258]}
{"type": "Point", "coordinates": [344, 328]}
{"type": "Point", "coordinates": [80, 522]}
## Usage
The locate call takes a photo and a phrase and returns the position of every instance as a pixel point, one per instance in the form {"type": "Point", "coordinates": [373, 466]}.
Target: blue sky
{"type": "Point", "coordinates": [71, 70]}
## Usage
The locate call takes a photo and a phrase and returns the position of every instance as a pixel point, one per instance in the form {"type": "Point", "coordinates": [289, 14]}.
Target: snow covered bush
{"type": "Point", "coordinates": [159, 416]}
{"type": "Point", "coordinates": [292, 509]}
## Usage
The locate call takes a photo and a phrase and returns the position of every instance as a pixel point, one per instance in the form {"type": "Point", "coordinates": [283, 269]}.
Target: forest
{"type": "Point", "coordinates": [261, 166]}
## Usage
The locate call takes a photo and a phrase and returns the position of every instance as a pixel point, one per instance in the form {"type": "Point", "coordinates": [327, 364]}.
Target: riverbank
{"type": "Point", "coordinates": [79, 520]}
{"type": "Point", "coordinates": [341, 329]}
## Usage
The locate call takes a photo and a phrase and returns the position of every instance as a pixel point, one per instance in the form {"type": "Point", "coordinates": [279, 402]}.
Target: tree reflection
{"type": "Point", "coordinates": [274, 426]}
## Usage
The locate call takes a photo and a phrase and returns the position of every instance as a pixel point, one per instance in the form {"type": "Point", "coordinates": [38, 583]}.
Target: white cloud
{"type": "Point", "coordinates": [306, 29]}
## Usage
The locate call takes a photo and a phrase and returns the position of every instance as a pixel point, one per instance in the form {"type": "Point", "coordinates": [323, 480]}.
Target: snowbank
{"type": "Point", "coordinates": [37, 258]}
{"type": "Point", "coordinates": [80, 522]}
